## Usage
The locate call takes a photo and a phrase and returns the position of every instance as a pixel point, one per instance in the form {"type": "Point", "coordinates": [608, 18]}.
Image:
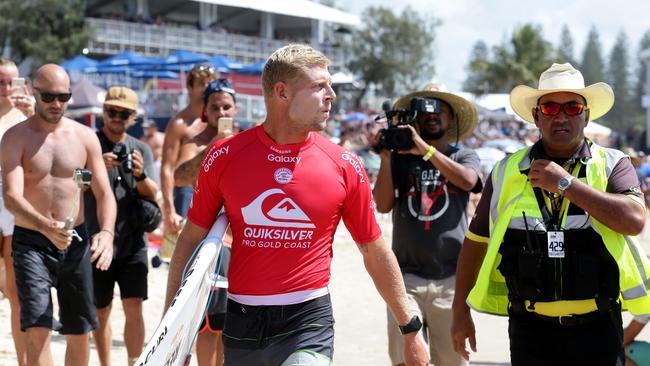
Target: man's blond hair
{"type": "Point", "coordinates": [7, 62]}
{"type": "Point", "coordinates": [288, 64]}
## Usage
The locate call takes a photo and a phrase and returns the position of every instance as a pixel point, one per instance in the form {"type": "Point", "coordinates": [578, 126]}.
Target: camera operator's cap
{"type": "Point", "coordinates": [122, 97]}
{"type": "Point", "coordinates": [562, 78]}
{"type": "Point", "coordinates": [464, 110]}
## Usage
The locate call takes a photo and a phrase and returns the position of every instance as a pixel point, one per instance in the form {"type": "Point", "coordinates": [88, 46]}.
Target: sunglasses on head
{"type": "Point", "coordinates": [49, 97]}
{"type": "Point", "coordinates": [204, 68]}
{"type": "Point", "coordinates": [112, 113]}
{"type": "Point", "coordinates": [553, 109]}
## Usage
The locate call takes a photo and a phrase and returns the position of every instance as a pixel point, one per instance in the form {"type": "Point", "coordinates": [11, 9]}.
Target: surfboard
{"type": "Point", "coordinates": [171, 342]}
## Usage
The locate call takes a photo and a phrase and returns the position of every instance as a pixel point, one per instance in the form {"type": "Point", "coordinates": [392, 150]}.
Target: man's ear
{"type": "Point", "coordinates": [534, 112]}
{"type": "Point", "coordinates": [281, 89]}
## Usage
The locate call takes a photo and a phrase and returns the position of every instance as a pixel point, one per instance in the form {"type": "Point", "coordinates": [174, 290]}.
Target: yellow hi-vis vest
{"type": "Point", "coordinates": [513, 193]}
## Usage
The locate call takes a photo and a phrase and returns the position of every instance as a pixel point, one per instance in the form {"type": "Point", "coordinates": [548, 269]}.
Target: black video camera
{"type": "Point", "coordinates": [395, 138]}
{"type": "Point", "coordinates": [124, 156]}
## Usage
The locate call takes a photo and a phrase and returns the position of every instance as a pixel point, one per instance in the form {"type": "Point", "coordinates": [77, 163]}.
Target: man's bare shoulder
{"type": "Point", "coordinates": [20, 130]}
{"type": "Point", "coordinates": [78, 127]}
{"type": "Point", "coordinates": [182, 120]}
{"type": "Point", "coordinates": [201, 139]}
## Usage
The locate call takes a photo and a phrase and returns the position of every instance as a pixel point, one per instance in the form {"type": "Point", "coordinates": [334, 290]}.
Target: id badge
{"type": "Point", "coordinates": [556, 244]}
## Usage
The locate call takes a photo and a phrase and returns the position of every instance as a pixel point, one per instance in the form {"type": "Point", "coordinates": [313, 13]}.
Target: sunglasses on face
{"type": "Point", "coordinates": [553, 109]}
{"type": "Point", "coordinates": [123, 114]}
{"type": "Point", "coordinates": [49, 97]}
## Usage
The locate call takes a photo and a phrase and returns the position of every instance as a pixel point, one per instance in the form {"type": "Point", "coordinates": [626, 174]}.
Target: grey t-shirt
{"type": "Point", "coordinates": [430, 214]}
{"type": "Point", "coordinates": [128, 239]}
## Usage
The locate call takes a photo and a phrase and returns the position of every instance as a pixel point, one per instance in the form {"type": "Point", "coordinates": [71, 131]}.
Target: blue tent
{"type": "Point", "coordinates": [224, 64]}
{"type": "Point", "coordinates": [128, 58]}
{"type": "Point", "coordinates": [79, 63]}
{"type": "Point", "coordinates": [182, 57]}
{"type": "Point", "coordinates": [253, 69]}
{"type": "Point", "coordinates": [150, 74]}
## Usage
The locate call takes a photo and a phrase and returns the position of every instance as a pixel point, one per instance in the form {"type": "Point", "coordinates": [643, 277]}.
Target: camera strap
{"type": "Point", "coordinates": [125, 179]}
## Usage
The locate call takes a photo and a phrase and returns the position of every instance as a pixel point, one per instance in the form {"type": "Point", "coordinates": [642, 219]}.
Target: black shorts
{"type": "Point", "coordinates": [130, 273]}
{"type": "Point", "coordinates": [268, 335]}
{"type": "Point", "coordinates": [39, 266]}
{"type": "Point", "coordinates": [216, 314]}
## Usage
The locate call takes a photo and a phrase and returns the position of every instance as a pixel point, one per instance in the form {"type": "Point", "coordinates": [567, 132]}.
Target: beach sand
{"type": "Point", "coordinates": [359, 312]}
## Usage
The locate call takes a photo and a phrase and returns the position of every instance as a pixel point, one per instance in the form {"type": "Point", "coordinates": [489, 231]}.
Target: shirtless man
{"type": "Point", "coordinates": [15, 106]}
{"type": "Point", "coordinates": [154, 139]}
{"type": "Point", "coordinates": [180, 129]}
{"type": "Point", "coordinates": [218, 101]}
{"type": "Point", "coordinates": [38, 159]}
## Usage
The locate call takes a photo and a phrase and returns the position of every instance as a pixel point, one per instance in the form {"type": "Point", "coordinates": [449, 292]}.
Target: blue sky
{"type": "Point", "coordinates": [466, 21]}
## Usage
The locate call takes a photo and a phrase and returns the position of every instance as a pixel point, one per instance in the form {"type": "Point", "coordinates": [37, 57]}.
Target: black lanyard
{"type": "Point", "coordinates": [552, 206]}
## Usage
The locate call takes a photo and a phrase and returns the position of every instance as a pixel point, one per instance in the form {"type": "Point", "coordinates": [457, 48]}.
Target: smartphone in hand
{"type": "Point", "coordinates": [224, 123]}
{"type": "Point", "coordinates": [17, 86]}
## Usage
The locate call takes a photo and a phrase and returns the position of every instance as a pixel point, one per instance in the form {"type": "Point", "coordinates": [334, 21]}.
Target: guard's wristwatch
{"type": "Point", "coordinates": [413, 326]}
{"type": "Point", "coordinates": [564, 183]}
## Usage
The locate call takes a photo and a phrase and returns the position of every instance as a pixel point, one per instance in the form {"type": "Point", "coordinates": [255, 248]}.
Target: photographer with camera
{"type": "Point", "coordinates": [426, 182]}
{"type": "Point", "coordinates": [129, 162]}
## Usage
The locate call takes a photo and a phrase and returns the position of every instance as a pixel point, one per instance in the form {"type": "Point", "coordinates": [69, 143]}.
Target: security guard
{"type": "Point", "coordinates": [552, 235]}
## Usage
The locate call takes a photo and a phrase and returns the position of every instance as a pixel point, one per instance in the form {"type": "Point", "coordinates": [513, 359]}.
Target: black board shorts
{"type": "Point", "coordinates": [130, 274]}
{"type": "Point", "coordinates": [39, 266]}
{"type": "Point", "coordinates": [268, 335]}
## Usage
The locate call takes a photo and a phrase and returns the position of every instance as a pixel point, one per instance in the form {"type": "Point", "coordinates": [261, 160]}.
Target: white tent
{"type": "Point", "coordinates": [594, 130]}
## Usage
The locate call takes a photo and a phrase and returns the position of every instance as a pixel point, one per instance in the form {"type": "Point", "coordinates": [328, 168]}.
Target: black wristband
{"type": "Point", "coordinates": [141, 177]}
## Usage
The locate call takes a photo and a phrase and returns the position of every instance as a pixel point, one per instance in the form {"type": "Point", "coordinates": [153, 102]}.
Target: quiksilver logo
{"type": "Point", "coordinates": [284, 159]}
{"type": "Point", "coordinates": [213, 155]}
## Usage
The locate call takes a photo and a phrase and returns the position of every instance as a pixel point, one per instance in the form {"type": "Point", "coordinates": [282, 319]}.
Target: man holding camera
{"type": "Point", "coordinates": [426, 182]}
{"type": "Point", "coordinates": [129, 163]}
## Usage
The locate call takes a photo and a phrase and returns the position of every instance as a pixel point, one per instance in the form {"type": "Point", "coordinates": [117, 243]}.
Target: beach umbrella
{"type": "Point", "coordinates": [253, 69]}
{"type": "Point", "coordinates": [152, 73]}
{"type": "Point", "coordinates": [128, 58]}
{"type": "Point", "coordinates": [183, 57]}
{"type": "Point", "coordinates": [224, 64]}
{"type": "Point", "coordinates": [79, 63]}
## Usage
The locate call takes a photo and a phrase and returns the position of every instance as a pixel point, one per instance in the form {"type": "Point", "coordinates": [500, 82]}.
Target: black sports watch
{"type": "Point", "coordinates": [141, 177]}
{"type": "Point", "coordinates": [412, 326]}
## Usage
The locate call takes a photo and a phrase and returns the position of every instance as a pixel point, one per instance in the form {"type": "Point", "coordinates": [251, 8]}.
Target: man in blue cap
{"type": "Point", "coordinates": [218, 102]}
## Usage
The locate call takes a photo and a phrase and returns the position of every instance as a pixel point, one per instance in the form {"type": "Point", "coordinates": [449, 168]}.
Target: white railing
{"type": "Point", "coordinates": [114, 36]}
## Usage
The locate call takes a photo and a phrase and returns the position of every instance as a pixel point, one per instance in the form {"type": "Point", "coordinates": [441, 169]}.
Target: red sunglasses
{"type": "Point", "coordinates": [553, 109]}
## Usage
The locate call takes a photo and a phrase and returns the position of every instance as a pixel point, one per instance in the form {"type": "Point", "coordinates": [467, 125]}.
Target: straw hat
{"type": "Point", "coordinates": [562, 78]}
{"type": "Point", "coordinates": [464, 110]}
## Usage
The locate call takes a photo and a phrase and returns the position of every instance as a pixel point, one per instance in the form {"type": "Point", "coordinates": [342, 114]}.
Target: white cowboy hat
{"type": "Point", "coordinates": [562, 78]}
{"type": "Point", "coordinates": [464, 110]}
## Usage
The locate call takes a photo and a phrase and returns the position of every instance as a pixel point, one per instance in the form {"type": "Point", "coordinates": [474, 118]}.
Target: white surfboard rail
{"type": "Point", "coordinates": [171, 342]}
